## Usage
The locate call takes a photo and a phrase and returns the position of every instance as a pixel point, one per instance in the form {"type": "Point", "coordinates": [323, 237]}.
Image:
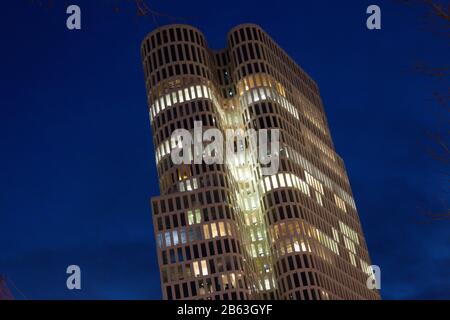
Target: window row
{"type": "Point", "coordinates": [202, 250]}
{"type": "Point", "coordinates": [283, 180]}
{"type": "Point", "coordinates": [174, 53]}
{"type": "Point", "coordinates": [268, 94]}
{"type": "Point", "coordinates": [172, 35]}
{"type": "Point", "coordinates": [316, 173]}
{"type": "Point", "coordinates": [209, 286]}
{"type": "Point", "coordinates": [180, 96]}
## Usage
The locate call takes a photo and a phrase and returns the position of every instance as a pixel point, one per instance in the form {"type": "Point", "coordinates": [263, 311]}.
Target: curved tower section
{"type": "Point", "coordinates": [196, 222]}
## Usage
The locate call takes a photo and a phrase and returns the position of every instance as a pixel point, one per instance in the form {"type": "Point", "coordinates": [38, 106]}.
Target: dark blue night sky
{"type": "Point", "coordinates": [76, 161]}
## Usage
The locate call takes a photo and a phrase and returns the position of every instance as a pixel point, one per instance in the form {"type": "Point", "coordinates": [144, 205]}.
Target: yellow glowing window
{"type": "Point", "coordinates": [267, 283]}
{"type": "Point", "coordinates": [204, 268]}
{"type": "Point", "coordinates": [296, 246]}
{"type": "Point", "coordinates": [233, 280]}
{"type": "Point", "coordinates": [335, 234]}
{"type": "Point", "coordinates": [225, 281]}
{"type": "Point", "coordinates": [289, 247]}
{"type": "Point", "coordinates": [303, 246]}
{"type": "Point", "coordinates": [257, 80]}
{"type": "Point", "coordinates": [222, 229]}
{"type": "Point", "coordinates": [214, 230]}
{"type": "Point", "coordinates": [250, 82]}
{"type": "Point", "coordinates": [188, 185]}
{"type": "Point", "coordinates": [352, 259]}
{"type": "Point", "coordinates": [297, 228]}
{"type": "Point", "coordinates": [260, 250]}
{"type": "Point", "coordinates": [319, 198]}
{"type": "Point", "coordinates": [190, 217]}
{"type": "Point", "coordinates": [277, 232]}
{"type": "Point", "coordinates": [196, 269]}
{"type": "Point", "coordinates": [260, 235]}
{"type": "Point", "coordinates": [206, 231]}
{"type": "Point", "coordinates": [283, 229]}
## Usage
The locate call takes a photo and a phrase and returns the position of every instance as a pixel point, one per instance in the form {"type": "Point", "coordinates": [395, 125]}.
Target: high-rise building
{"type": "Point", "coordinates": [226, 231]}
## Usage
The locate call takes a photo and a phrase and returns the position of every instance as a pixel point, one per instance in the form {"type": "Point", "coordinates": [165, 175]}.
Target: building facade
{"type": "Point", "coordinates": [226, 231]}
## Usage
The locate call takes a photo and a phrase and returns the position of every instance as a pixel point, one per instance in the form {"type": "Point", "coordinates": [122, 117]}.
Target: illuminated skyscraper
{"type": "Point", "coordinates": [225, 231]}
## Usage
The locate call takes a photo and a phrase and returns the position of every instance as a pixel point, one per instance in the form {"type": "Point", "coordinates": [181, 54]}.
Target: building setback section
{"type": "Point", "coordinates": [225, 231]}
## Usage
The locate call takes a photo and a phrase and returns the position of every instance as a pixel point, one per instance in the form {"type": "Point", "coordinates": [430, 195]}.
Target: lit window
{"type": "Point", "coordinates": [175, 237]}
{"type": "Point", "coordinates": [199, 92]}
{"type": "Point", "coordinates": [296, 246]}
{"type": "Point", "coordinates": [233, 280]}
{"type": "Point", "coordinates": [274, 181]}
{"type": "Point", "coordinates": [282, 184]}
{"type": "Point", "coordinates": [288, 180]}
{"type": "Point", "coordinates": [196, 269]}
{"type": "Point", "coordinates": [174, 97]}
{"type": "Point", "coordinates": [352, 259]}
{"type": "Point", "coordinates": [335, 234]}
{"type": "Point", "coordinates": [205, 91]}
{"type": "Point", "coordinates": [213, 230]}
{"type": "Point", "coordinates": [167, 236]}
{"type": "Point", "coordinates": [194, 183]}
{"type": "Point", "coordinates": [180, 96]}
{"type": "Point", "coordinates": [303, 246]}
{"type": "Point", "coordinates": [204, 268]}
{"type": "Point", "coordinates": [198, 217]}
{"type": "Point", "coordinates": [183, 235]}
{"type": "Point", "coordinates": [160, 240]}
{"type": "Point", "coordinates": [267, 183]}
{"type": "Point", "coordinates": [319, 198]}
{"type": "Point", "coordinates": [267, 284]}
{"type": "Point", "coordinates": [190, 217]}
{"type": "Point", "coordinates": [340, 203]}
{"type": "Point", "coordinates": [206, 231]}
{"type": "Point", "coordinates": [222, 229]}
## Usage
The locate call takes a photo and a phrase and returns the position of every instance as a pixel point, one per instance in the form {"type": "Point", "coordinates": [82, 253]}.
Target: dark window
{"type": "Point", "coordinates": [169, 293]}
